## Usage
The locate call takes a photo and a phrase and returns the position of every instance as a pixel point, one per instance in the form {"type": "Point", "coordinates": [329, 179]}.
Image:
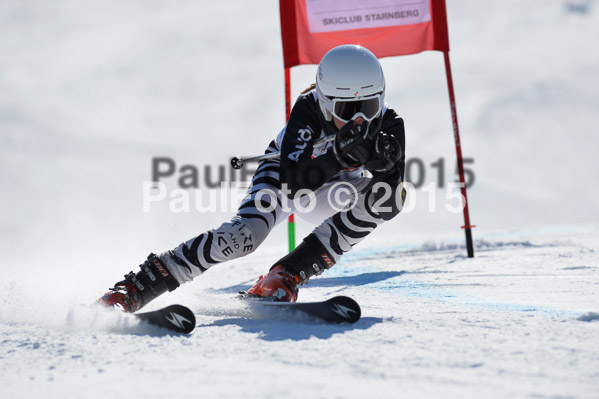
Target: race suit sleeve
{"type": "Point", "coordinates": [393, 124]}
{"type": "Point", "coordinates": [298, 169]}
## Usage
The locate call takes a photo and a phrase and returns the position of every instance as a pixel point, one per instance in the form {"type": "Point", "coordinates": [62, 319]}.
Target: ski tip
{"type": "Point", "coordinates": [180, 317]}
{"type": "Point", "coordinates": [346, 307]}
{"type": "Point", "coordinates": [176, 318]}
{"type": "Point", "coordinates": [336, 310]}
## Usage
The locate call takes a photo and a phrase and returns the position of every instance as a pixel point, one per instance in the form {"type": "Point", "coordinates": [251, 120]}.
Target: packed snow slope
{"type": "Point", "coordinates": [91, 91]}
{"type": "Point", "coordinates": [520, 320]}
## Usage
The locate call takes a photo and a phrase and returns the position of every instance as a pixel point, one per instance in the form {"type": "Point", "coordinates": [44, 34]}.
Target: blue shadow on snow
{"type": "Point", "coordinates": [284, 328]}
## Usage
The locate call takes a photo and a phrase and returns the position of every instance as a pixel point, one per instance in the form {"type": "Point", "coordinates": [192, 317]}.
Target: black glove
{"type": "Point", "coordinates": [386, 152]}
{"type": "Point", "coordinates": [352, 145]}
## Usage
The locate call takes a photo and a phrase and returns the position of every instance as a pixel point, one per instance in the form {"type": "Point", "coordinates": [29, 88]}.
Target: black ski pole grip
{"type": "Point", "coordinates": [236, 163]}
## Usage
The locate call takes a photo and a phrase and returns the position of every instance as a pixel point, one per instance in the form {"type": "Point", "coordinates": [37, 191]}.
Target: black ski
{"type": "Point", "coordinates": [339, 309]}
{"type": "Point", "coordinates": [177, 318]}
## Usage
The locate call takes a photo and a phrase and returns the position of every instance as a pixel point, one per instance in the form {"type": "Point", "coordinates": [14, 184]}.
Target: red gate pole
{"type": "Point", "coordinates": [291, 219]}
{"type": "Point", "coordinates": [456, 134]}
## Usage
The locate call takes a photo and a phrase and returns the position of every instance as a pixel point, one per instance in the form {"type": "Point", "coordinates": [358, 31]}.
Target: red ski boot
{"type": "Point", "coordinates": [121, 296]}
{"type": "Point", "coordinates": [278, 285]}
{"type": "Point", "coordinates": [310, 258]}
{"type": "Point", "coordinates": [136, 290]}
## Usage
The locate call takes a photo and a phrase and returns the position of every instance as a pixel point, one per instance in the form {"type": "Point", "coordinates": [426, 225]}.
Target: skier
{"type": "Point", "coordinates": [347, 101]}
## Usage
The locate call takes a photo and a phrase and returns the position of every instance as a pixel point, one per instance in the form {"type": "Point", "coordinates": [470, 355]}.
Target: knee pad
{"type": "Point", "coordinates": [235, 238]}
{"type": "Point", "coordinates": [392, 204]}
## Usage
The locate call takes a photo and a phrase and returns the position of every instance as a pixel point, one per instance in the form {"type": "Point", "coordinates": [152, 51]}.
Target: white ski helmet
{"type": "Point", "coordinates": [350, 83]}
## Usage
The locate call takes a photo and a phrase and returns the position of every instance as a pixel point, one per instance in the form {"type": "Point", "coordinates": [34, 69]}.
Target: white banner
{"type": "Point", "coordinates": [339, 15]}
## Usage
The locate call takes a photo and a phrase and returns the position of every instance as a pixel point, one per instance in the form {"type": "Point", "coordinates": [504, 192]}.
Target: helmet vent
{"type": "Point", "coordinates": [365, 87]}
{"type": "Point", "coordinates": [342, 88]}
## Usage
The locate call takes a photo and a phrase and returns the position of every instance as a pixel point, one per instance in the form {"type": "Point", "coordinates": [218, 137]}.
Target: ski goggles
{"type": "Point", "coordinates": [346, 109]}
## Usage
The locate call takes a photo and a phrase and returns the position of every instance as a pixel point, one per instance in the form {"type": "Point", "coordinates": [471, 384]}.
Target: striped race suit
{"type": "Point", "coordinates": [343, 203]}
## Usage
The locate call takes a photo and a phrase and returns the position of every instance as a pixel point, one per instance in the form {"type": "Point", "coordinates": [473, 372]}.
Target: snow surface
{"type": "Point", "coordinates": [91, 91]}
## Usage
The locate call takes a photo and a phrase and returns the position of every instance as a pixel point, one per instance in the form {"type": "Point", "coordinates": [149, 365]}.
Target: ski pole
{"type": "Point", "coordinates": [237, 163]}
